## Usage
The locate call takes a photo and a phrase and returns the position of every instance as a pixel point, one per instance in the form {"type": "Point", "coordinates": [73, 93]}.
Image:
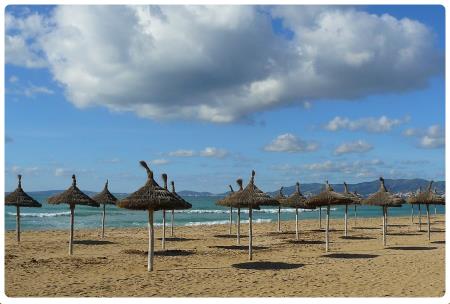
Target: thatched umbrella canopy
{"type": "Point", "coordinates": [280, 197]}
{"type": "Point", "coordinates": [328, 197]}
{"type": "Point", "coordinates": [250, 197]}
{"type": "Point", "coordinates": [412, 200]}
{"type": "Point", "coordinates": [358, 199]}
{"type": "Point", "coordinates": [19, 199]}
{"type": "Point", "coordinates": [150, 197]}
{"type": "Point", "coordinates": [296, 200]}
{"type": "Point", "coordinates": [355, 199]}
{"type": "Point", "coordinates": [183, 205]}
{"type": "Point", "coordinates": [106, 198]}
{"type": "Point", "coordinates": [427, 198]}
{"type": "Point", "coordinates": [72, 196]}
{"type": "Point", "coordinates": [384, 199]}
{"type": "Point", "coordinates": [224, 202]}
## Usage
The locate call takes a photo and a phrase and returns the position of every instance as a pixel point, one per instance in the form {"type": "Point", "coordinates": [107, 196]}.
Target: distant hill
{"type": "Point", "coordinates": [365, 188]}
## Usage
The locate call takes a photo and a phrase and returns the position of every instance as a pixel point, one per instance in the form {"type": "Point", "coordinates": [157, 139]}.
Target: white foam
{"type": "Point", "coordinates": [40, 214]}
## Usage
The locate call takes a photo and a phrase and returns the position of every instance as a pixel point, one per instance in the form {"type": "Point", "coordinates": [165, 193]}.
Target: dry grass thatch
{"type": "Point", "coordinates": [383, 198]}
{"type": "Point", "coordinates": [20, 198]}
{"type": "Point", "coordinates": [149, 197]}
{"type": "Point", "coordinates": [353, 195]}
{"type": "Point", "coordinates": [183, 203]}
{"type": "Point", "coordinates": [105, 197]}
{"type": "Point", "coordinates": [296, 199]}
{"type": "Point", "coordinates": [427, 197]}
{"type": "Point", "coordinates": [328, 197]}
{"type": "Point", "coordinates": [73, 196]}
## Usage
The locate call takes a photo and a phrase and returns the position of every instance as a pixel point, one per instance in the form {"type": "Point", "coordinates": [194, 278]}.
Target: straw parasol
{"type": "Point", "coordinates": [412, 201]}
{"type": "Point", "coordinates": [250, 197]}
{"type": "Point", "coordinates": [19, 199]}
{"type": "Point", "coordinates": [280, 197]}
{"type": "Point", "coordinates": [224, 202]}
{"type": "Point", "coordinates": [355, 200]}
{"type": "Point", "coordinates": [327, 198]}
{"type": "Point", "coordinates": [183, 205]}
{"type": "Point", "coordinates": [296, 200]}
{"type": "Point", "coordinates": [384, 199]}
{"type": "Point", "coordinates": [72, 196]}
{"type": "Point", "coordinates": [105, 197]}
{"type": "Point", "coordinates": [275, 203]}
{"type": "Point", "coordinates": [427, 198]}
{"type": "Point", "coordinates": [151, 197]}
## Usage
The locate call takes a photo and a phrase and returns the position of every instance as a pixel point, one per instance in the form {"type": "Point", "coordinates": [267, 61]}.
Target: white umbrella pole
{"type": "Point", "coordinates": [238, 232]}
{"type": "Point", "coordinates": [420, 219]}
{"type": "Point", "coordinates": [103, 221]}
{"type": "Point", "coordinates": [231, 219]}
{"type": "Point", "coordinates": [72, 208]}
{"type": "Point", "coordinates": [250, 236]}
{"type": "Point", "coordinates": [151, 241]}
{"type": "Point", "coordinates": [171, 222]}
{"type": "Point", "coordinates": [279, 223]}
{"type": "Point", "coordinates": [435, 210]}
{"type": "Point", "coordinates": [383, 228]}
{"type": "Point", "coordinates": [296, 224]}
{"type": "Point", "coordinates": [428, 221]}
{"type": "Point", "coordinates": [386, 222]}
{"type": "Point", "coordinates": [412, 214]}
{"type": "Point", "coordinates": [355, 215]}
{"type": "Point", "coordinates": [163, 239]}
{"type": "Point", "coordinates": [328, 228]}
{"type": "Point", "coordinates": [18, 223]}
{"type": "Point", "coordinates": [345, 220]}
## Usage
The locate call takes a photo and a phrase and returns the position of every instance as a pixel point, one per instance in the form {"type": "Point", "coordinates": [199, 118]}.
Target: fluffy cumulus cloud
{"type": "Point", "coordinates": [432, 137]}
{"type": "Point", "coordinates": [369, 124]}
{"type": "Point", "coordinates": [290, 143]}
{"type": "Point", "coordinates": [359, 146]}
{"type": "Point", "coordinates": [220, 63]}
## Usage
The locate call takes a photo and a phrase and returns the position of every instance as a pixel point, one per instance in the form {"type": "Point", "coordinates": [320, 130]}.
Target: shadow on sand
{"type": "Point", "coordinates": [238, 247]}
{"type": "Point", "coordinates": [370, 228]}
{"type": "Point", "coordinates": [229, 236]}
{"type": "Point", "coordinates": [402, 233]}
{"type": "Point", "coordinates": [267, 265]}
{"type": "Point", "coordinates": [305, 242]}
{"type": "Point", "coordinates": [170, 252]}
{"type": "Point", "coordinates": [92, 242]}
{"type": "Point", "coordinates": [177, 239]}
{"type": "Point", "coordinates": [350, 256]}
{"type": "Point", "coordinates": [274, 233]}
{"type": "Point", "coordinates": [438, 242]}
{"type": "Point", "coordinates": [412, 248]}
{"type": "Point", "coordinates": [353, 237]}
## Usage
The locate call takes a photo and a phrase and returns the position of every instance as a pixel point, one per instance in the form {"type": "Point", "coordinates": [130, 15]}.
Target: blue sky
{"type": "Point", "coordinates": [208, 94]}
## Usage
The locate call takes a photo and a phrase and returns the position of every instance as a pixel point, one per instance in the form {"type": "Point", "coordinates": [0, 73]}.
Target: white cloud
{"type": "Point", "coordinates": [221, 63]}
{"type": "Point", "coordinates": [213, 152]}
{"type": "Point", "coordinates": [32, 90]}
{"type": "Point", "coordinates": [160, 161]}
{"type": "Point", "coordinates": [182, 153]}
{"type": "Point", "coordinates": [290, 143]}
{"type": "Point", "coordinates": [63, 172]}
{"type": "Point", "coordinates": [369, 124]}
{"type": "Point", "coordinates": [358, 146]}
{"type": "Point", "coordinates": [431, 138]}
{"type": "Point", "coordinates": [25, 170]}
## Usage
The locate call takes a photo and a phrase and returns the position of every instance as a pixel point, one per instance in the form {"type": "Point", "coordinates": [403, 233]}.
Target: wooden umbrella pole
{"type": "Point", "coordinates": [163, 239]}
{"type": "Point", "coordinates": [384, 231]}
{"type": "Point", "coordinates": [250, 238]}
{"type": "Point", "coordinates": [171, 222]}
{"type": "Point", "coordinates": [18, 223]}
{"type": "Point", "coordinates": [420, 219]}
{"type": "Point", "coordinates": [386, 218]}
{"type": "Point", "coordinates": [103, 221]}
{"type": "Point", "coordinates": [412, 214]}
{"type": "Point", "coordinates": [296, 224]}
{"type": "Point", "coordinates": [231, 219]}
{"type": "Point", "coordinates": [151, 241]}
{"type": "Point", "coordinates": [327, 228]}
{"type": "Point", "coordinates": [72, 208]}
{"type": "Point", "coordinates": [320, 217]}
{"type": "Point", "coordinates": [279, 223]}
{"type": "Point", "coordinates": [428, 221]}
{"type": "Point", "coordinates": [238, 230]}
{"type": "Point", "coordinates": [345, 220]}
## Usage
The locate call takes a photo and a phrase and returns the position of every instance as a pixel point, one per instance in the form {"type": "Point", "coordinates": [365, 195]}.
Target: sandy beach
{"type": "Point", "coordinates": [203, 261]}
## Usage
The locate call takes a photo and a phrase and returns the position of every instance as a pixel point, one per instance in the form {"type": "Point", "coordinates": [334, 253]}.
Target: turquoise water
{"type": "Point", "coordinates": [203, 212]}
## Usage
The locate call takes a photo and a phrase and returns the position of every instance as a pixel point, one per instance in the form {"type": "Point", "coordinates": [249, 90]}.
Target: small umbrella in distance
{"type": "Point", "coordinates": [72, 196]}
{"type": "Point", "coordinates": [328, 197]}
{"type": "Point", "coordinates": [280, 197]}
{"type": "Point", "coordinates": [183, 204]}
{"type": "Point", "coordinates": [106, 198]}
{"type": "Point", "coordinates": [150, 197]}
{"type": "Point", "coordinates": [383, 198]}
{"type": "Point", "coordinates": [20, 198]}
{"type": "Point", "coordinates": [296, 200]}
{"type": "Point", "coordinates": [251, 196]}
{"type": "Point", "coordinates": [355, 199]}
{"type": "Point", "coordinates": [223, 202]}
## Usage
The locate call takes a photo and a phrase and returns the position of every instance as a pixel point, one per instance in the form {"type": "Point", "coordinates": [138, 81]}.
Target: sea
{"type": "Point", "coordinates": [204, 212]}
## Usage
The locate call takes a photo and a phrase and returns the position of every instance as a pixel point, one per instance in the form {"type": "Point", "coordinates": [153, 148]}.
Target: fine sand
{"type": "Point", "coordinates": [203, 261]}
